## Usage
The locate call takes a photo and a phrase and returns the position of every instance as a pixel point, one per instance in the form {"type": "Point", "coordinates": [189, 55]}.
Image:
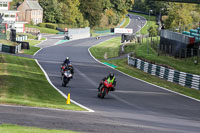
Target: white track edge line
{"type": "Point", "coordinates": [47, 77]}
{"type": "Point", "coordinates": [42, 108]}
{"type": "Point", "coordinates": [38, 46]}
{"type": "Point", "coordinates": [37, 51]}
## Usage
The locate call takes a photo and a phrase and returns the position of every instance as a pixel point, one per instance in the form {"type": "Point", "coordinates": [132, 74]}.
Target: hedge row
{"type": "Point", "coordinates": [48, 25]}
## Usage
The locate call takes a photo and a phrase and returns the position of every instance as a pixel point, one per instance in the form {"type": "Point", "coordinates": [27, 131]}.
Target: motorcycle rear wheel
{"type": "Point", "coordinates": [103, 93]}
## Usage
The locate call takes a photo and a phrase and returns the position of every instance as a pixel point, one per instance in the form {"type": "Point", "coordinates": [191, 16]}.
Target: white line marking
{"type": "Point", "coordinates": [42, 108]}
{"type": "Point", "coordinates": [37, 51]}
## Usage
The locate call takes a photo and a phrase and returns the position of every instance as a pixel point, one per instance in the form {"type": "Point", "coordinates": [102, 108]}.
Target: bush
{"type": "Point", "coordinates": [51, 26]}
{"type": "Point", "coordinates": [42, 24]}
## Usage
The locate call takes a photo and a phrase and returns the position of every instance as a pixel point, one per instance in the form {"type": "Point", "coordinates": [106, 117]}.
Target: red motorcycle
{"type": "Point", "coordinates": [104, 89]}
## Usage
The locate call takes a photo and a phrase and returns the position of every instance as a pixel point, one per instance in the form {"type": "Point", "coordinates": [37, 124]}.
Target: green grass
{"type": "Point", "coordinates": [30, 36]}
{"type": "Point", "coordinates": [109, 48]}
{"type": "Point", "coordinates": [7, 42]}
{"type": "Point", "coordinates": [42, 29]}
{"type": "Point", "coordinates": [8, 128]}
{"type": "Point", "coordinates": [23, 83]}
{"type": "Point", "coordinates": [184, 65]}
{"type": "Point", "coordinates": [127, 20]}
{"type": "Point", "coordinates": [32, 49]}
{"type": "Point", "coordinates": [141, 51]}
{"type": "Point", "coordinates": [150, 23]}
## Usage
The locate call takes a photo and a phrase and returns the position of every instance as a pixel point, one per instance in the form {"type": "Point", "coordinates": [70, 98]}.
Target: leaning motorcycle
{"type": "Point", "coordinates": [104, 89]}
{"type": "Point", "coordinates": [66, 76]}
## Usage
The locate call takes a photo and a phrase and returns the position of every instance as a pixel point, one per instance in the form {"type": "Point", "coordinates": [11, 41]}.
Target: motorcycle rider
{"type": "Point", "coordinates": [66, 61]}
{"type": "Point", "coordinates": [111, 79]}
{"type": "Point", "coordinates": [68, 66]}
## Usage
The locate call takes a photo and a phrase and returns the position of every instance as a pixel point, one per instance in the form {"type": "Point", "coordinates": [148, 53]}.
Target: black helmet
{"type": "Point", "coordinates": [111, 75]}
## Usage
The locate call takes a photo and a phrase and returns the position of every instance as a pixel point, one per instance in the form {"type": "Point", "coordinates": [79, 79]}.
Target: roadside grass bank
{"type": "Point", "coordinates": [185, 65]}
{"type": "Point", "coordinates": [8, 128]}
{"type": "Point", "coordinates": [107, 49]}
{"type": "Point", "coordinates": [151, 22]}
{"type": "Point", "coordinates": [140, 50]}
{"type": "Point", "coordinates": [32, 44]}
{"type": "Point", "coordinates": [43, 29]}
{"type": "Point", "coordinates": [7, 42]}
{"type": "Point", "coordinates": [126, 22]}
{"type": "Point", "coordinates": [23, 83]}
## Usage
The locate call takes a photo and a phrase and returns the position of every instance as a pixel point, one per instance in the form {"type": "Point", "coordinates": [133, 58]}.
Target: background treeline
{"type": "Point", "coordinates": [81, 13]}
{"type": "Point", "coordinates": [174, 14]}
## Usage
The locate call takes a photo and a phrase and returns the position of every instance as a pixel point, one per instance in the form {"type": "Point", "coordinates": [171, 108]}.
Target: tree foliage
{"type": "Point", "coordinates": [83, 13]}
{"type": "Point", "coordinates": [51, 11]}
{"type": "Point", "coordinates": [92, 10]}
{"type": "Point", "coordinates": [179, 14]}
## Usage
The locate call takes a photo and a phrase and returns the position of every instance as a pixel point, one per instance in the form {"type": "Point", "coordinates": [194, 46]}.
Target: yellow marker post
{"type": "Point", "coordinates": [68, 98]}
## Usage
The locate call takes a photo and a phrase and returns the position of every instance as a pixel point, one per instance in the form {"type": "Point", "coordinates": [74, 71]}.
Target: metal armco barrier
{"type": "Point", "coordinates": [182, 78]}
{"type": "Point", "coordinates": [21, 38]}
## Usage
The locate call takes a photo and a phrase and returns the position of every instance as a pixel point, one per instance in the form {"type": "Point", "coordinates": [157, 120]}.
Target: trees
{"type": "Point", "coordinates": [51, 11]}
{"type": "Point", "coordinates": [81, 13]}
{"type": "Point", "coordinates": [71, 13]}
{"type": "Point", "coordinates": [179, 15]}
{"type": "Point", "coordinates": [92, 11]}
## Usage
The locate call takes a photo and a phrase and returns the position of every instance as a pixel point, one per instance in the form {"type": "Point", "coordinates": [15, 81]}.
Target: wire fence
{"type": "Point", "coordinates": [189, 52]}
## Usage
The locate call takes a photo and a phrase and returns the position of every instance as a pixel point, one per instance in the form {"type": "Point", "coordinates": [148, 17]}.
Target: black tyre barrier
{"type": "Point", "coordinates": [13, 35]}
{"type": "Point", "coordinates": [24, 45]}
{"type": "Point", "coordinates": [112, 30]}
{"type": "Point", "coordinates": [59, 29]}
{"type": "Point", "coordinates": [5, 48]}
{"type": "Point", "coordinates": [13, 49]}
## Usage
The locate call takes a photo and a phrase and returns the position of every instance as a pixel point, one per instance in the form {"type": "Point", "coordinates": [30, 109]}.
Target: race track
{"type": "Point", "coordinates": [135, 106]}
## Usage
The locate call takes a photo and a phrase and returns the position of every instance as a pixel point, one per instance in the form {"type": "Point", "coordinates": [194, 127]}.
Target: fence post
{"type": "Point", "coordinates": [197, 56]}
{"type": "Point", "coordinates": [185, 53]}
{"type": "Point", "coordinates": [179, 53]}
{"type": "Point", "coordinates": [192, 53]}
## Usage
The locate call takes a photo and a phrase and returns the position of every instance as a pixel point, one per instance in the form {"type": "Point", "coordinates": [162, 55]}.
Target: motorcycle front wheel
{"type": "Point", "coordinates": [65, 81]}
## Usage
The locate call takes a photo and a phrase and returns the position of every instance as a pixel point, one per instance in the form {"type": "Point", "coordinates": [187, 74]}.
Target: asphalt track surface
{"type": "Point", "coordinates": [135, 106]}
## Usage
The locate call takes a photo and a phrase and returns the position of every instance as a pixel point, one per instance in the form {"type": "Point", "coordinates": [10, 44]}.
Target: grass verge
{"type": "Point", "coordinates": [99, 50]}
{"type": "Point", "coordinates": [42, 29]}
{"type": "Point", "coordinates": [7, 42]}
{"type": "Point", "coordinates": [184, 65]}
{"type": "Point", "coordinates": [32, 49]}
{"type": "Point", "coordinates": [127, 20]}
{"type": "Point", "coordinates": [107, 49]}
{"type": "Point", "coordinates": [7, 128]}
{"type": "Point", "coordinates": [23, 83]}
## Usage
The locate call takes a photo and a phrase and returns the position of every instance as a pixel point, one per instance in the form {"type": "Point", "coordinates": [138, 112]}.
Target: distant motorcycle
{"type": "Point", "coordinates": [104, 89]}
